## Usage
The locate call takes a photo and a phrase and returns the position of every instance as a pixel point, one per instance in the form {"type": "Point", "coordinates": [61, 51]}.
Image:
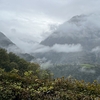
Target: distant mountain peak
{"type": "Point", "coordinates": [83, 30]}
{"type": "Point", "coordinates": [7, 44]}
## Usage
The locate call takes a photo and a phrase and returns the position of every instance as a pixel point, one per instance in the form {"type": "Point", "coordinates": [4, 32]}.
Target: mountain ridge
{"type": "Point", "coordinates": [7, 44]}
{"type": "Point", "coordinates": [81, 29]}
{"type": "Point", "coordinates": [4, 41]}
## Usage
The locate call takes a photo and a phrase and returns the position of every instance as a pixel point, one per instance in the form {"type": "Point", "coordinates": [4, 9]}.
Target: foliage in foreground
{"type": "Point", "coordinates": [29, 87]}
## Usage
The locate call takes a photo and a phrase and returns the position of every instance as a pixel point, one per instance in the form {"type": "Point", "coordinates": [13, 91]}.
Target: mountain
{"type": "Point", "coordinates": [4, 41]}
{"type": "Point", "coordinates": [7, 44]}
{"type": "Point", "coordinates": [78, 30]}
{"type": "Point", "coordinates": [73, 49]}
{"type": "Point", "coordinates": [75, 41]}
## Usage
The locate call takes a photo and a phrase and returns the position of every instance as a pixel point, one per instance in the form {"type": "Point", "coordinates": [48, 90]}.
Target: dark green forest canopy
{"type": "Point", "coordinates": [8, 61]}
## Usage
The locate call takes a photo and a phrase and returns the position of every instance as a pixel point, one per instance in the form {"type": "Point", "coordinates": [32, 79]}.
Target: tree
{"type": "Point", "coordinates": [13, 57]}
{"type": "Point", "coordinates": [23, 65]}
{"type": "Point", "coordinates": [4, 60]}
{"type": "Point", "coordinates": [13, 65]}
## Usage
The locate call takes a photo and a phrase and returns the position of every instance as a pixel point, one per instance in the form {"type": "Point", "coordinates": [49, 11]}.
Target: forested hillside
{"type": "Point", "coordinates": [22, 80]}
{"type": "Point", "coordinates": [9, 61]}
{"type": "Point", "coordinates": [87, 72]}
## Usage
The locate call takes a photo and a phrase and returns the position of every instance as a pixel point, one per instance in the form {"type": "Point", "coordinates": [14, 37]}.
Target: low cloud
{"type": "Point", "coordinates": [66, 48]}
{"type": "Point", "coordinates": [14, 49]}
{"type": "Point", "coordinates": [96, 49]}
{"type": "Point", "coordinates": [87, 70]}
{"type": "Point", "coordinates": [46, 65]}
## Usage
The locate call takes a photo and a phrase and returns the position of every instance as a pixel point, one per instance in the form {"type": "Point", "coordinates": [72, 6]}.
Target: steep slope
{"type": "Point", "coordinates": [7, 44]}
{"type": "Point", "coordinates": [78, 30]}
{"type": "Point", "coordinates": [83, 30]}
{"type": "Point", "coordinates": [4, 41]}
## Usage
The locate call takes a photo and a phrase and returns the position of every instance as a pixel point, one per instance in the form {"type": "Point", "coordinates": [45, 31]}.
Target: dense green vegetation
{"type": "Point", "coordinates": [87, 72]}
{"type": "Point", "coordinates": [22, 80]}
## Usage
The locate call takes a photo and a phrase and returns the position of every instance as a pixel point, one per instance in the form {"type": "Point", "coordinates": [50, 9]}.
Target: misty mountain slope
{"type": "Point", "coordinates": [75, 41]}
{"type": "Point", "coordinates": [7, 44]}
{"type": "Point", "coordinates": [78, 30]}
{"type": "Point", "coordinates": [4, 41]}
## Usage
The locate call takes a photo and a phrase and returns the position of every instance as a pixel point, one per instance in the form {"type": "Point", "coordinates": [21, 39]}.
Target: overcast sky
{"type": "Point", "coordinates": [32, 20]}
